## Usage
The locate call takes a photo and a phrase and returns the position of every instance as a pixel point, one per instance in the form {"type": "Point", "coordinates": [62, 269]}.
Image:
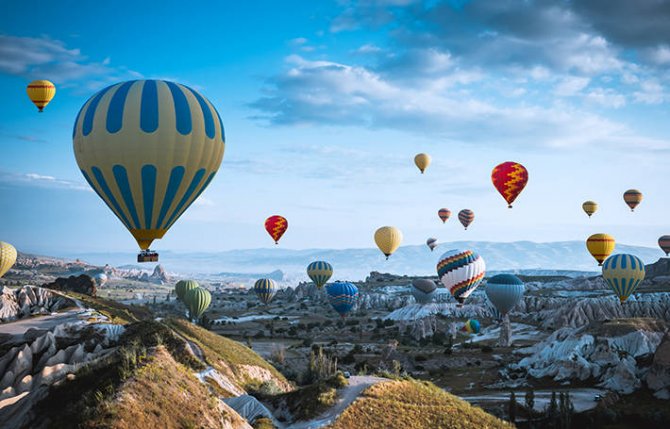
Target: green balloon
{"type": "Point", "coordinates": [184, 286]}
{"type": "Point", "coordinates": [197, 300]}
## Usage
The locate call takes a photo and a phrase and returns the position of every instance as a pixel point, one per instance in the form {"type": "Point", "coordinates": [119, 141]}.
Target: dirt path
{"type": "Point", "coordinates": [347, 395]}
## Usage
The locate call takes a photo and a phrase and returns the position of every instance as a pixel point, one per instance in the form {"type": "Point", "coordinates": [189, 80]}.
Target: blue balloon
{"type": "Point", "coordinates": [504, 291]}
{"type": "Point", "coordinates": [342, 296]}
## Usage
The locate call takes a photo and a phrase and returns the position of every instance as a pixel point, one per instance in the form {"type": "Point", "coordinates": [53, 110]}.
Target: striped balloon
{"type": "Point", "coordinates": [632, 198]}
{"type": "Point", "coordinates": [466, 217]}
{"type": "Point", "coordinates": [148, 148]}
{"type": "Point", "coordinates": [184, 286]}
{"type": "Point", "coordinates": [623, 273]}
{"type": "Point", "coordinates": [197, 300]}
{"type": "Point", "coordinates": [320, 272]}
{"type": "Point", "coordinates": [444, 214]}
{"type": "Point", "coordinates": [342, 296]}
{"type": "Point", "coordinates": [7, 257]}
{"type": "Point", "coordinates": [265, 290]}
{"type": "Point", "coordinates": [461, 271]}
{"type": "Point", "coordinates": [504, 291]}
{"type": "Point", "coordinates": [41, 92]}
{"type": "Point", "coordinates": [664, 244]}
{"type": "Point", "coordinates": [600, 246]}
{"type": "Point", "coordinates": [472, 326]}
{"type": "Point", "coordinates": [589, 207]}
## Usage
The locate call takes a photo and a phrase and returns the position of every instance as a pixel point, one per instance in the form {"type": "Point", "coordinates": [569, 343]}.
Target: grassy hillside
{"type": "Point", "coordinates": [413, 404]}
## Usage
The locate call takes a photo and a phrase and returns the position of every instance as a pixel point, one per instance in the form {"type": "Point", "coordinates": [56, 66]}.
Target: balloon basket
{"type": "Point", "coordinates": [147, 256]}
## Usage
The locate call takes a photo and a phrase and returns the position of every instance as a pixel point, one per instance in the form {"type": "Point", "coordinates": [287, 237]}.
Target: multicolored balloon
{"type": "Point", "coordinates": [509, 178]}
{"type": "Point", "coordinates": [342, 296]}
{"type": "Point", "coordinates": [623, 274]}
{"type": "Point", "coordinates": [444, 214]}
{"type": "Point", "coordinates": [423, 290]}
{"type": "Point", "coordinates": [388, 239]}
{"type": "Point", "coordinates": [466, 217]}
{"type": "Point", "coordinates": [41, 92]}
{"type": "Point", "coordinates": [504, 291]}
{"type": "Point", "coordinates": [183, 286]}
{"type": "Point", "coordinates": [197, 300]}
{"type": "Point", "coordinates": [600, 246]}
{"type": "Point", "coordinates": [422, 161]}
{"type": "Point", "coordinates": [148, 148]}
{"type": "Point", "coordinates": [276, 226]}
{"type": "Point", "coordinates": [461, 271]}
{"type": "Point", "coordinates": [589, 207]}
{"type": "Point", "coordinates": [432, 243]}
{"type": "Point", "coordinates": [663, 243]}
{"type": "Point", "coordinates": [472, 326]}
{"type": "Point", "coordinates": [320, 272]}
{"type": "Point", "coordinates": [632, 198]}
{"type": "Point", "coordinates": [265, 290]}
{"type": "Point", "coordinates": [7, 257]}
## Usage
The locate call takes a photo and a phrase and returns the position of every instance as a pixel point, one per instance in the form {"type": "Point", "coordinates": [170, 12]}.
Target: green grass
{"type": "Point", "coordinates": [306, 402]}
{"type": "Point", "coordinates": [413, 404]}
{"type": "Point", "coordinates": [116, 312]}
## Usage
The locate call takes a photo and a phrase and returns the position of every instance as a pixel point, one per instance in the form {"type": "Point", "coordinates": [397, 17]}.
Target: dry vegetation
{"type": "Point", "coordinates": [413, 404]}
{"type": "Point", "coordinates": [116, 312]}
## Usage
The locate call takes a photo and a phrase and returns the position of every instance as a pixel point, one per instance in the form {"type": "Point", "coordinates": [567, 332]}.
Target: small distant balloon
{"type": "Point", "coordinates": [509, 178]}
{"type": "Point", "coordinates": [590, 207]}
{"type": "Point", "coordinates": [41, 92]}
{"type": "Point", "coordinates": [466, 217]}
{"type": "Point", "coordinates": [472, 326]}
{"type": "Point", "coordinates": [600, 246]}
{"type": "Point", "coordinates": [388, 239]}
{"type": "Point", "coordinates": [319, 272]}
{"type": "Point", "coordinates": [7, 257]}
{"type": "Point", "coordinates": [197, 300]}
{"type": "Point", "coordinates": [423, 290]}
{"type": "Point", "coordinates": [444, 214]}
{"type": "Point", "coordinates": [422, 161]}
{"type": "Point", "coordinates": [276, 226]}
{"type": "Point", "coordinates": [342, 296]}
{"type": "Point", "coordinates": [431, 243]}
{"type": "Point", "coordinates": [632, 198]}
{"type": "Point", "coordinates": [663, 243]}
{"type": "Point", "coordinates": [184, 286]}
{"type": "Point", "coordinates": [623, 274]}
{"type": "Point", "coordinates": [265, 290]}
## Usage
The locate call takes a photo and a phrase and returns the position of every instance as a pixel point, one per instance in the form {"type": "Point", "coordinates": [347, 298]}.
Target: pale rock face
{"type": "Point", "coordinates": [17, 303]}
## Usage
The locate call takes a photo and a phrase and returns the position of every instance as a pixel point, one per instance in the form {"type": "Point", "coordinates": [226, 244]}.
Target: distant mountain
{"type": "Point", "coordinates": [356, 264]}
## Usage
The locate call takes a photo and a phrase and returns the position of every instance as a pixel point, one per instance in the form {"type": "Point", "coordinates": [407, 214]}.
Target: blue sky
{"type": "Point", "coordinates": [326, 103]}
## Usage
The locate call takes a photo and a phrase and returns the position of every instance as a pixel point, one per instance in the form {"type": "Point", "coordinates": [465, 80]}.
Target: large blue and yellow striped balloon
{"type": "Point", "coordinates": [320, 272]}
{"type": "Point", "coordinates": [342, 296]}
{"type": "Point", "coordinates": [265, 290]}
{"type": "Point", "coordinates": [623, 273]}
{"type": "Point", "coordinates": [148, 148]}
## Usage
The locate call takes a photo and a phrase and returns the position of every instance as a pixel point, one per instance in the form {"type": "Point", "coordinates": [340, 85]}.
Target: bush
{"type": "Point", "coordinates": [487, 349]}
{"type": "Point", "coordinates": [263, 423]}
{"type": "Point", "coordinates": [420, 358]}
{"type": "Point", "coordinates": [307, 342]}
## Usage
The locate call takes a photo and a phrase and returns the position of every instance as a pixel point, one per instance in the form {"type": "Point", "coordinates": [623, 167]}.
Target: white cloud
{"type": "Point", "coordinates": [651, 92]}
{"type": "Point", "coordinates": [606, 97]}
{"type": "Point", "coordinates": [42, 181]}
{"type": "Point", "coordinates": [571, 86]}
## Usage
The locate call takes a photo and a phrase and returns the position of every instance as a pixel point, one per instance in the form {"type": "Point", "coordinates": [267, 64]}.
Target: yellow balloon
{"type": "Point", "coordinates": [7, 257]}
{"type": "Point", "coordinates": [590, 207]}
{"type": "Point", "coordinates": [148, 148]}
{"type": "Point", "coordinates": [388, 239]}
{"type": "Point", "coordinates": [600, 246]}
{"type": "Point", "coordinates": [422, 161]}
{"type": "Point", "coordinates": [41, 92]}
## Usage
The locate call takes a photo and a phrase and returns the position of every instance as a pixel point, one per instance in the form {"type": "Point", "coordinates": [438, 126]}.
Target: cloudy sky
{"type": "Point", "coordinates": [325, 105]}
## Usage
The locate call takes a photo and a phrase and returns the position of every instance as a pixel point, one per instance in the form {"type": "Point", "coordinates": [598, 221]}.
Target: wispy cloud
{"type": "Point", "coordinates": [41, 181]}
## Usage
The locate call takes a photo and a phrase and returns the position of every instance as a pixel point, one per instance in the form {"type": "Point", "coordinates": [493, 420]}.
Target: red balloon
{"type": "Point", "coordinates": [276, 226]}
{"type": "Point", "coordinates": [509, 178]}
{"type": "Point", "coordinates": [444, 214]}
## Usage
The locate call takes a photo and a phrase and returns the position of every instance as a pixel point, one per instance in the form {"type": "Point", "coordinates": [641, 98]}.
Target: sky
{"type": "Point", "coordinates": [326, 103]}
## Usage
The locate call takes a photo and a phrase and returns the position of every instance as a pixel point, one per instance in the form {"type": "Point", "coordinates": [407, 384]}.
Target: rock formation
{"type": "Point", "coordinates": [80, 284]}
{"type": "Point", "coordinates": [30, 300]}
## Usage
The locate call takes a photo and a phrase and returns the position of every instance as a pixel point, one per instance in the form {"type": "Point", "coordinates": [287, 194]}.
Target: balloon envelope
{"type": "Point", "coordinates": [276, 226]}
{"type": "Point", "coordinates": [197, 300]}
{"type": "Point", "coordinates": [431, 243]}
{"type": "Point", "coordinates": [504, 291]}
{"type": "Point", "coordinates": [423, 290]}
{"type": "Point", "coordinates": [590, 207]}
{"type": "Point", "coordinates": [664, 244]}
{"type": "Point", "coordinates": [7, 257]}
{"type": "Point", "coordinates": [632, 198]}
{"type": "Point", "coordinates": [600, 246]}
{"type": "Point", "coordinates": [342, 296]}
{"type": "Point", "coordinates": [265, 290]}
{"type": "Point", "coordinates": [148, 148]}
{"type": "Point", "coordinates": [509, 178]}
{"type": "Point", "coordinates": [472, 326]}
{"type": "Point", "coordinates": [320, 272]}
{"type": "Point", "coordinates": [466, 217]}
{"type": "Point", "coordinates": [41, 92]}
{"type": "Point", "coordinates": [623, 274]}
{"type": "Point", "coordinates": [184, 286]}
{"type": "Point", "coordinates": [100, 279]}
{"type": "Point", "coordinates": [461, 271]}
{"type": "Point", "coordinates": [388, 239]}
{"type": "Point", "coordinates": [444, 214]}
{"type": "Point", "coordinates": [422, 161]}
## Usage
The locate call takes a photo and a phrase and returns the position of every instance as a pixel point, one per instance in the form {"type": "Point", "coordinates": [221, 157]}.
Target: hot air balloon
{"type": "Point", "coordinates": [504, 291]}
{"type": "Point", "coordinates": [600, 246]}
{"type": "Point", "coordinates": [41, 92]}
{"type": "Point", "coordinates": [623, 273]}
{"type": "Point", "coordinates": [276, 226]}
{"type": "Point", "coordinates": [663, 243]}
{"type": "Point", "coordinates": [184, 286]}
{"type": "Point", "coordinates": [319, 272]}
{"type": "Point", "coordinates": [461, 271]}
{"type": "Point", "coordinates": [466, 217]}
{"type": "Point", "coordinates": [444, 214]}
{"type": "Point", "coordinates": [388, 239]}
{"type": "Point", "coordinates": [197, 300]}
{"type": "Point", "coordinates": [422, 161]}
{"type": "Point", "coordinates": [509, 178]}
{"type": "Point", "coordinates": [472, 326]}
{"type": "Point", "coordinates": [423, 290]}
{"type": "Point", "coordinates": [633, 198]}
{"type": "Point", "coordinates": [100, 279]}
{"type": "Point", "coordinates": [590, 207]}
{"type": "Point", "coordinates": [342, 296]}
{"type": "Point", "coordinates": [432, 243]}
{"type": "Point", "coordinates": [265, 290]}
{"type": "Point", "coordinates": [148, 148]}
{"type": "Point", "coordinates": [7, 257]}
{"type": "Point", "coordinates": [494, 312]}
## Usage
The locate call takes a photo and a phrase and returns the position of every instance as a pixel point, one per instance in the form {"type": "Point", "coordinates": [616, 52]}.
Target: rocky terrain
{"type": "Point", "coordinates": [30, 301]}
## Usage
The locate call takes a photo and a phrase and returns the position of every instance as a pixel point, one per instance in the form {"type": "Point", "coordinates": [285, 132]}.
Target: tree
{"type": "Point", "coordinates": [551, 412]}
{"type": "Point", "coordinates": [511, 410]}
{"type": "Point", "coordinates": [566, 409]}
{"type": "Point", "coordinates": [530, 404]}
